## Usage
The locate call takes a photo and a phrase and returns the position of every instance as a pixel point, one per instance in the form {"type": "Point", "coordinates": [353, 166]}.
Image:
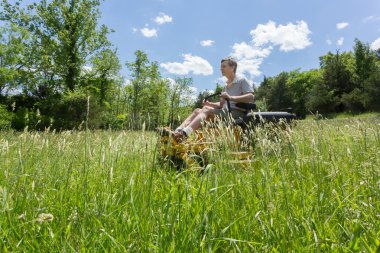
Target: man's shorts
{"type": "Point", "coordinates": [224, 115]}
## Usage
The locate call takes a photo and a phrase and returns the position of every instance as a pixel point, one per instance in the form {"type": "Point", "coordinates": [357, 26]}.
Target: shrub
{"type": "Point", "coordinates": [75, 109]}
{"type": "Point", "coordinates": [5, 118]}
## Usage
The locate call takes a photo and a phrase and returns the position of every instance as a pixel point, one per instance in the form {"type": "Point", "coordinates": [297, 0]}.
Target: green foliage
{"type": "Point", "coordinates": [337, 70]}
{"type": "Point", "coordinates": [114, 122]}
{"type": "Point", "coordinates": [49, 51]}
{"type": "Point", "coordinates": [64, 37]}
{"type": "Point", "coordinates": [12, 50]}
{"type": "Point", "coordinates": [102, 78]}
{"type": "Point", "coordinates": [261, 105]}
{"type": "Point", "coordinates": [152, 100]}
{"type": "Point", "coordinates": [300, 85]}
{"type": "Point", "coordinates": [144, 76]}
{"type": "Point", "coordinates": [77, 110]}
{"type": "Point", "coordinates": [321, 100]}
{"type": "Point", "coordinates": [371, 88]}
{"type": "Point", "coordinates": [367, 76]}
{"type": "Point", "coordinates": [179, 99]}
{"type": "Point", "coordinates": [353, 101]}
{"type": "Point", "coordinates": [364, 61]}
{"type": "Point", "coordinates": [6, 118]}
{"type": "Point", "coordinates": [31, 119]}
{"type": "Point", "coordinates": [275, 92]}
{"type": "Point", "coordinates": [345, 82]}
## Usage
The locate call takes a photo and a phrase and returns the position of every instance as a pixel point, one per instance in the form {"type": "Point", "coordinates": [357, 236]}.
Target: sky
{"type": "Point", "coordinates": [188, 38]}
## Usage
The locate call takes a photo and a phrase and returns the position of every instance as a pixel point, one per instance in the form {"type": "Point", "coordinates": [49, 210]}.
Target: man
{"type": "Point", "coordinates": [236, 90]}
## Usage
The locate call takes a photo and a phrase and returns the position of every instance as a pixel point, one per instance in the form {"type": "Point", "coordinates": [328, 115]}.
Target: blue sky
{"type": "Point", "coordinates": [188, 38]}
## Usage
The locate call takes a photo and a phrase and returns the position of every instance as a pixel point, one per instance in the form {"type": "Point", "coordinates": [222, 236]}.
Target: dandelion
{"type": "Point", "coordinates": [44, 217]}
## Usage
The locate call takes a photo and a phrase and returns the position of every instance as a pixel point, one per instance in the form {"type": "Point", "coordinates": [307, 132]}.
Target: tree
{"type": "Point", "coordinates": [278, 96]}
{"type": "Point", "coordinates": [299, 86]}
{"type": "Point", "coordinates": [101, 78]}
{"type": "Point", "coordinates": [139, 69]}
{"type": "Point", "coordinates": [371, 86]}
{"type": "Point", "coordinates": [64, 36]}
{"type": "Point", "coordinates": [273, 92]}
{"type": "Point", "coordinates": [262, 93]}
{"type": "Point", "coordinates": [321, 99]}
{"type": "Point", "coordinates": [367, 79]}
{"type": "Point", "coordinates": [337, 71]}
{"type": "Point", "coordinates": [11, 56]}
{"type": "Point", "coordinates": [364, 62]}
{"type": "Point", "coordinates": [146, 92]}
{"type": "Point", "coordinates": [157, 109]}
{"type": "Point", "coordinates": [62, 40]}
{"type": "Point", "coordinates": [179, 98]}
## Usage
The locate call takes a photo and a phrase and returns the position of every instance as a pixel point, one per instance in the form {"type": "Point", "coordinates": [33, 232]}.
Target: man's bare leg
{"type": "Point", "coordinates": [187, 121]}
{"type": "Point", "coordinates": [192, 116]}
{"type": "Point", "coordinates": [196, 122]}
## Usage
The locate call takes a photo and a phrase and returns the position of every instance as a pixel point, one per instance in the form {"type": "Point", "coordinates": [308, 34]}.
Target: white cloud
{"type": "Point", "coordinates": [340, 41]}
{"type": "Point", "coordinates": [207, 43]}
{"type": "Point", "coordinates": [328, 42]}
{"type": "Point", "coordinates": [134, 29]}
{"type": "Point", "coordinates": [244, 50]}
{"type": "Point", "coordinates": [249, 58]}
{"type": "Point", "coordinates": [250, 66]}
{"type": "Point", "coordinates": [371, 18]}
{"type": "Point", "coordinates": [265, 37]}
{"type": "Point", "coordinates": [289, 37]}
{"type": "Point", "coordinates": [195, 64]}
{"type": "Point", "coordinates": [148, 32]}
{"type": "Point", "coordinates": [341, 25]}
{"type": "Point", "coordinates": [162, 19]}
{"type": "Point", "coordinates": [376, 44]}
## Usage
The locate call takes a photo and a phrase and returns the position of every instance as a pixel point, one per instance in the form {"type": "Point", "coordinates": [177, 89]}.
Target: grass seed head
{"type": "Point", "coordinates": [44, 217]}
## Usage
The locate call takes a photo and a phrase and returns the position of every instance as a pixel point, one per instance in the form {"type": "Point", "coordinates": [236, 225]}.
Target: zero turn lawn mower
{"type": "Point", "coordinates": [194, 153]}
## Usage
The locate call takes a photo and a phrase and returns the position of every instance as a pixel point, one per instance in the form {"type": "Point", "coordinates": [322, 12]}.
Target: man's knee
{"type": "Point", "coordinates": [197, 110]}
{"type": "Point", "coordinates": [208, 111]}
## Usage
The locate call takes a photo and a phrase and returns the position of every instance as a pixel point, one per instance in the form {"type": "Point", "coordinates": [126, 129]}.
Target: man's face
{"type": "Point", "coordinates": [226, 69]}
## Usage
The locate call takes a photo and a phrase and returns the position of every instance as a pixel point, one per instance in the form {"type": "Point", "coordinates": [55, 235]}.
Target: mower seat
{"type": "Point", "coordinates": [257, 118]}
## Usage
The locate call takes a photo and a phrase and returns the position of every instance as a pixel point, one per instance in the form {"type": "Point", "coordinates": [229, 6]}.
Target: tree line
{"type": "Point", "coordinates": [344, 82]}
{"type": "Point", "coordinates": [59, 70]}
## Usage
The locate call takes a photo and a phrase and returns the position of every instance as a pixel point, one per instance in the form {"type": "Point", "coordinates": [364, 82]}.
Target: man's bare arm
{"type": "Point", "coordinates": [215, 105]}
{"type": "Point", "coordinates": [245, 98]}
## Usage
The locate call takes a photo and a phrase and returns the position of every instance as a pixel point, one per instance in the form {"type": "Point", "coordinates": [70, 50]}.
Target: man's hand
{"type": "Point", "coordinates": [225, 95]}
{"type": "Point", "coordinates": [206, 103]}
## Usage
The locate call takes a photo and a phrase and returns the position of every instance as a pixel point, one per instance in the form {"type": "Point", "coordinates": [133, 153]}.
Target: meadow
{"type": "Point", "coordinates": [314, 187]}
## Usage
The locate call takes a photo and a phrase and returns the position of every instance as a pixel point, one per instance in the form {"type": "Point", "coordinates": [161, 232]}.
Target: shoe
{"type": "Point", "coordinates": [180, 136]}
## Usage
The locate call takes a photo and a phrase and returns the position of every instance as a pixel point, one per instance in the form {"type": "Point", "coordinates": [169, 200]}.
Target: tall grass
{"type": "Point", "coordinates": [314, 187]}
